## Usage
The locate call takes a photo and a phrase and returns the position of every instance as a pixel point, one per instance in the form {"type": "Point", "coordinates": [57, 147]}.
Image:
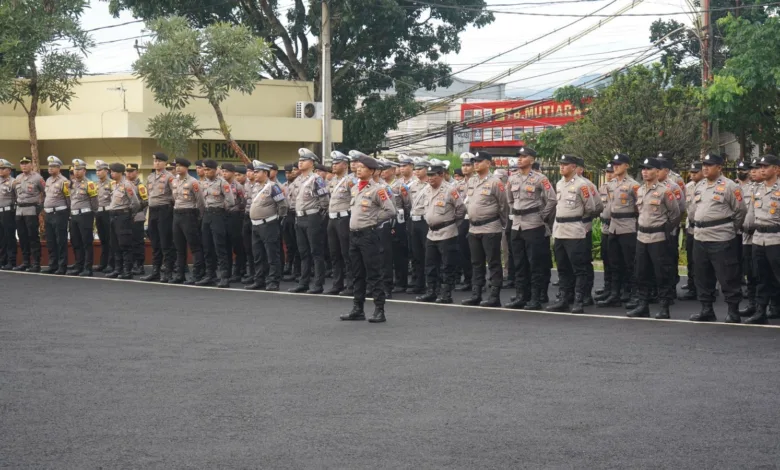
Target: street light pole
{"type": "Point", "coordinates": [326, 83]}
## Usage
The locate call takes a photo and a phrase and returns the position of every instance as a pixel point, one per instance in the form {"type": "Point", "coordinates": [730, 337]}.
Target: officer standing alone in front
{"type": "Point", "coordinates": [57, 208]}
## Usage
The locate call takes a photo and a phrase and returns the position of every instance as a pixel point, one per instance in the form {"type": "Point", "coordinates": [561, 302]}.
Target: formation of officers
{"type": "Point", "coordinates": [370, 219]}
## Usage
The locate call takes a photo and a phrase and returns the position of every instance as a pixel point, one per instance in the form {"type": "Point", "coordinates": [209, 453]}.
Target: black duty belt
{"type": "Point", "coordinates": [441, 225]}
{"type": "Point", "coordinates": [477, 223]}
{"type": "Point", "coordinates": [525, 211]}
{"type": "Point", "coordinates": [363, 231]}
{"type": "Point", "coordinates": [160, 207]}
{"type": "Point", "coordinates": [212, 210]}
{"type": "Point", "coordinates": [713, 223]}
{"type": "Point", "coordinates": [659, 229]}
{"type": "Point", "coordinates": [27, 204]}
{"type": "Point", "coordinates": [605, 221]}
{"type": "Point", "coordinates": [585, 220]}
{"type": "Point", "coordinates": [624, 215]}
{"type": "Point", "coordinates": [185, 211]}
{"type": "Point", "coordinates": [768, 229]}
{"type": "Point", "coordinates": [564, 220]}
{"type": "Point", "coordinates": [120, 211]}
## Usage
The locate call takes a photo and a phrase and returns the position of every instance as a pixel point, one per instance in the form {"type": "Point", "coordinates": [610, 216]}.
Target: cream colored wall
{"type": "Point", "coordinates": [14, 150]}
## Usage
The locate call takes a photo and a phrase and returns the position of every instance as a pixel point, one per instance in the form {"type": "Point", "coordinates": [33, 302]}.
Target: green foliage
{"type": "Point", "coordinates": [596, 239]}
{"type": "Point", "coordinates": [549, 144]}
{"type": "Point", "coordinates": [639, 113]}
{"type": "Point", "coordinates": [382, 50]}
{"type": "Point", "coordinates": [450, 157]}
{"type": "Point", "coordinates": [173, 131]}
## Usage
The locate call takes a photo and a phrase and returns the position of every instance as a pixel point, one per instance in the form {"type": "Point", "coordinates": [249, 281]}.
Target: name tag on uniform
{"type": "Point", "coordinates": [440, 203]}
{"type": "Point", "coordinates": [655, 202]}
{"type": "Point", "coordinates": [697, 198]}
{"type": "Point", "coordinates": [530, 189]}
{"type": "Point", "coordinates": [515, 187]}
{"type": "Point", "coordinates": [485, 192]}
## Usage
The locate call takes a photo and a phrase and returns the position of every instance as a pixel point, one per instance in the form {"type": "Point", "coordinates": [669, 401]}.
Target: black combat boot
{"type": "Point", "coordinates": [633, 302]}
{"type": "Point", "coordinates": [587, 300]}
{"type": "Point", "coordinates": [759, 317]}
{"type": "Point", "coordinates": [750, 309]}
{"type": "Point", "coordinates": [379, 314]}
{"type": "Point", "coordinates": [257, 285]}
{"type": "Point", "coordinates": [445, 297]}
{"type": "Point", "coordinates": [415, 290]}
{"type": "Point", "coordinates": [476, 296]}
{"type": "Point", "coordinates": [207, 280]}
{"type": "Point", "coordinates": [707, 313]}
{"type": "Point", "coordinates": [74, 270]}
{"type": "Point", "coordinates": [21, 267]}
{"type": "Point", "coordinates": [533, 303]}
{"type": "Point", "coordinates": [690, 294]}
{"type": "Point", "coordinates": [603, 294]}
{"type": "Point", "coordinates": [334, 290]}
{"type": "Point", "coordinates": [494, 299]}
{"type": "Point", "coordinates": [518, 300]}
{"type": "Point", "coordinates": [165, 275]}
{"type": "Point", "coordinates": [348, 291]}
{"type": "Point", "coordinates": [663, 314]}
{"type": "Point", "coordinates": [86, 272]}
{"type": "Point", "coordinates": [153, 276]}
{"type": "Point", "coordinates": [612, 300]}
{"type": "Point", "coordinates": [298, 289]}
{"type": "Point", "coordinates": [138, 268]}
{"type": "Point", "coordinates": [224, 280]}
{"type": "Point", "coordinates": [357, 313]}
{"type": "Point", "coordinates": [127, 272]}
{"type": "Point", "coordinates": [116, 271]}
{"type": "Point", "coordinates": [543, 297]}
{"type": "Point", "coordinates": [773, 312]}
{"type": "Point", "coordinates": [465, 287]}
{"type": "Point", "coordinates": [579, 304]}
{"type": "Point", "coordinates": [560, 305]}
{"type": "Point", "coordinates": [429, 296]}
{"type": "Point", "coordinates": [642, 310]}
{"type": "Point", "coordinates": [733, 314]}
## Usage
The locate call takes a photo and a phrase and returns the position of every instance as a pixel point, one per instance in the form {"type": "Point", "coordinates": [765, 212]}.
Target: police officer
{"type": "Point", "coordinates": [235, 218]}
{"type": "Point", "coordinates": [83, 206]}
{"type": "Point", "coordinates": [418, 227]}
{"type": "Point", "coordinates": [677, 185]}
{"type": "Point", "coordinates": [532, 200]}
{"type": "Point", "coordinates": [311, 202]}
{"type": "Point", "coordinates": [444, 208]}
{"type": "Point", "coordinates": [718, 211]}
{"type": "Point", "coordinates": [575, 205]}
{"type": "Point", "coordinates": [606, 218]}
{"type": "Point", "coordinates": [267, 206]}
{"type": "Point", "coordinates": [658, 214]}
{"type": "Point", "coordinates": [217, 198]}
{"type": "Point", "coordinates": [487, 209]}
{"type": "Point", "coordinates": [764, 218]}
{"type": "Point", "coordinates": [696, 176]}
{"type": "Point", "coordinates": [588, 299]}
{"type": "Point", "coordinates": [622, 200]}
{"type": "Point", "coordinates": [187, 209]}
{"type": "Point", "coordinates": [56, 206]}
{"type": "Point", "coordinates": [399, 236]}
{"type": "Point", "coordinates": [385, 229]}
{"type": "Point", "coordinates": [7, 221]}
{"type": "Point", "coordinates": [749, 187]}
{"type": "Point", "coordinates": [29, 187]}
{"type": "Point", "coordinates": [340, 189]}
{"type": "Point", "coordinates": [464, 253]}
{"type": "Point", "coordinates": [370, 204]}
{"type": "Point", "coordinates": [507, 256]}
{"type": "Point", "coordinates": [159, 183]}
{"type": "Point", "coordinates": [200, 170]}
{"type": "Point", "coordinates": [250, 189]}
{"type": "Point", "coordinates": [124, 205]}
{"type": "Point", "coordinates": [292, 255]}
{"type": "Point", "coordinates": [139, 248]}
{"type": "Point", "coordinates": [102, 217]}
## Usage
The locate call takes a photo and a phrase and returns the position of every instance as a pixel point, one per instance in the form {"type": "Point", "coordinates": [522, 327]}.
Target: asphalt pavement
{"type": "Point", "coordinates": [116, 374]}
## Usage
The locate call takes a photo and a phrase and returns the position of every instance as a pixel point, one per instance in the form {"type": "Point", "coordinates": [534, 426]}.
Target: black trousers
{"type": "Point", "coordinates": [103, 225]}
{"type": "Point", "coordinates": [292, 255]}
{"type": "Point", "coordinates": [531, 251]}
{"type": "Point", "coordinates": [591, 274]}
{"type": "Point", "coordinates": [622, 256]}
{"type": "Point", "coordinates": [417, 241]}
{"type": "Point", "coordinates": [187, 231]}
{"type": "Point", "coordinates": [440, 262]}
{"type": "Point", "coordinates": [401, 254]}
{"type": "Point", "coordinates": [247, 232]}
{"type": "Point", "coordinates": [309, 230]}
{"type": "Point", "coordinates": [547, 273]}
{"type": "Point", "coordinates": [386, 253]}
{"type": "Point", "coordinates": [82, 239]}
{"type": "Point", "coordinates": [766, 267]}
{"type": "Point", "coordinates": [747, 269]}
{"type": "Point", "coordinates": [717, 262]}
{"type": "Point", "coordinates": [338, 245]}
{"type": "Point", "coordinates": [364, 259]}
{"type": "Point", "coordinates": [674, 260]}
{"type": "Point", "coordinates": [510, 259]}
{"type": "Point", "coordinates": [605, 256]}
{"type": "Point", "coordinates": [30, 239]}
{"type": "Point", "coordinates": [267, 254]}
{"type": "Point", "coordinates": [573, 259]}
{"type": "Point", "coordinates": [486, 248]}
{"type": "Point", "coordinates": [121, 232]}
{"type": "Point", "coordinates": [235, 242]}
{"type": "Point", "coordinates": [653, 263]}
{"type": "Point", "coordinates": [57, 239]}
{"type": "Point", "coordinates": [214, 233]}
{"type": "Point", "coordinates": [138, 242]}
{"type": "Point", "coordinates": [161, 237]}
{"type": "Point", "coordinates": [7, 238]}
{"type": "Point", "coordinates": [464, 252]}
{"type": "Point", "coordinates": [691, 262]}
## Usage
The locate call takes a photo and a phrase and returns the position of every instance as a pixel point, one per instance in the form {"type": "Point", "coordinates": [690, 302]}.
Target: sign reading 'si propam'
{"type": "Point", "coordinates": [220, 150]}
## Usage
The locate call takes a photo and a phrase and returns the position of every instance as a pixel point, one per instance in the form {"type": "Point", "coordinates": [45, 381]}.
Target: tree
{"type": "Point", "coordinates": [382, 50]}
{"type": "Point", "coordinates": [548, 144]}
{"type": "Point", "coordinates": [41, 48]}
{"type": "Point", "coordinates": [639, 113]}
{"type": "Point", "coordinates": [181, 64]}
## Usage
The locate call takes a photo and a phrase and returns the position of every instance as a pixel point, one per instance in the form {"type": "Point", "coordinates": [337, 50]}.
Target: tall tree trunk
{"type": "Point", "coordinates": [31, 115]}
{"type": "Point", "coordinates": [226, 132]}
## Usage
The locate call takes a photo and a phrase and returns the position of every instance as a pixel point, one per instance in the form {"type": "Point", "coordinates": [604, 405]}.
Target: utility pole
{"type": "Point", "coordinates": [706, 64]}
{"type": "Point", "coordinates": [326, 84]}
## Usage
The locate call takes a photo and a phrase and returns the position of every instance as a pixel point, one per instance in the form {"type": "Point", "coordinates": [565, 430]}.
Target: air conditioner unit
{"type": "Point", "coordinates": [308, 110]}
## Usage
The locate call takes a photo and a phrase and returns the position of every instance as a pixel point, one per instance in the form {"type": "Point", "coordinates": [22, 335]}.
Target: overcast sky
{"type": "Point", "coordinates": [613, 44]}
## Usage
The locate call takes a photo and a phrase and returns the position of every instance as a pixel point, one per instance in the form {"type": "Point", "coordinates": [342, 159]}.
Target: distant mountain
{"type": "Point", "coordinates": [538, 93]}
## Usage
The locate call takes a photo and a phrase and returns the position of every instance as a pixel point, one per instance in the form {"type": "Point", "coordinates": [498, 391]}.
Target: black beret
{"type": "Point", "coordinates": [320, 167]}
{"type": "Point", "coordinates": [117, 167]}
{"type": "Point", "coordinates": [695, 167]}
{"type": "Point", "coordinates": [621, 158]}
{"type": "Point", "coordinates": [209, 164]}
{"type": "Point", "coordinates": [368, 162]}
{"type": "Point", "coordinates": [768, 159]}
{"type": "Point", "coordinates": [198, 162]}
{"type": "Point", "coordinates": [182, 161]}
{"type": "Point", "coordinates": [479, 156]}
{"type": "Point", "coordinates": [651, 163]}
{"type": "Point", "coordinates": [526, 152]}
{"type": "Point", "coordinates": [131, 167]}
{"type": "Point", "coordinates": [459, 172]}
{"type": "Point", "coordinates": [288, 167]}
{"type": "Point", "coordinates": [160, 156]}
{"type": "Point", "coordinates": [274, 166]}
{"type": "Point", "coordinates": [228, 167]}
{"type": "Point", "coordinates": [712, 159]}
{"type": "Point", "coordinates": [567, 159]}
{"type": "Point", "coordinates": [240, 169]}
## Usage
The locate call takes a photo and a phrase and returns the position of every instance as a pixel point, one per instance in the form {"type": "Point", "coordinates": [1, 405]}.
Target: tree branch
{"type": "Point", "coordinates": [278, 28]}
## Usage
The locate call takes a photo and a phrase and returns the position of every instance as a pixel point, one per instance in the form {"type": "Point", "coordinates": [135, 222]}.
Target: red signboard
{"type": "Point", "coordinates": [523, 117]}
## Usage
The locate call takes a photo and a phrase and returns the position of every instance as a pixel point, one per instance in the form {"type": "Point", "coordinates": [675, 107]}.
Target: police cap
{"type": "Point", "coordinates": [768, 159]}
{"type": "Point", "coordinates": [240, 169]}
{"type": "Point", "coordinates": [54, 161]}
{"type": "Point", "coordinates": [569, 159]}
{"type": "Point", "coordinates": [651, 163]}
{"type": "Point", "coordinates": [5, 163]}
{"type": "Point", "coordinates": [182, 162]}
{"type": "Point", "coordinates": [368, 162]}
{"type": "Point", "coordinates": [338, 157]}
{"type": "Point", "coordinates": [466, 158]}
{"type": "Point", "coordinates": [117, 167]}
{"type": "Point", "coordinates": [160, 156]}
{"type": "Point", "coordinates": [526, 152]}
{"type": "Point", "coordinates": [743, 166]}
{"type": "Point", "coordinates": [228, 167]}
{"type": "Point", "coordinates": [479, 156]}
{"type": "Point", "coordinates": [621, 158]}
{"type": "Point", "coordinates": [101, 165]}
{"type": "Point", "coordinates": [79, 164]}
{"type": "Point", "coordinates": [610, 168]}
{"type": "Point", "coordinates": [458, 172]}
{"type": "Point", "coordinates": [198, 163]}
{"type": "Point", "coordinates": [131, 167]}
{"type": "Point", "coordinates": [695, 167]}
{"type": "Point", "coordinates": [210, 164]}
{"type": "Point", "coordinates": [25, 160]}
{"type": "Point", "coordinates": [306, 154]}
{"type": "Point", "coordinates": [712, 159]}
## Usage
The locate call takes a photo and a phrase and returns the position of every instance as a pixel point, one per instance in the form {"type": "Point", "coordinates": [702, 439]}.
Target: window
{"type": "Point", "coordinates": [477, 135]}
{"type": "Point", "coordinates": [468, 114]}
{"type": "Point", "coordinates": [518, 133]}
{"type": "Point", "coordinates": [488, 135]}
{"type": "Point", "coordinates": [507, 133]}
{"type": "Point", "coordinates": [477, 113]}
{"type": "Point", "coordinates": [497, 134]}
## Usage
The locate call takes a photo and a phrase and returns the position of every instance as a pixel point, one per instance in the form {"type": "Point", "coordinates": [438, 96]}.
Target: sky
{"type": "Point", "coordinates": [612, 45]}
